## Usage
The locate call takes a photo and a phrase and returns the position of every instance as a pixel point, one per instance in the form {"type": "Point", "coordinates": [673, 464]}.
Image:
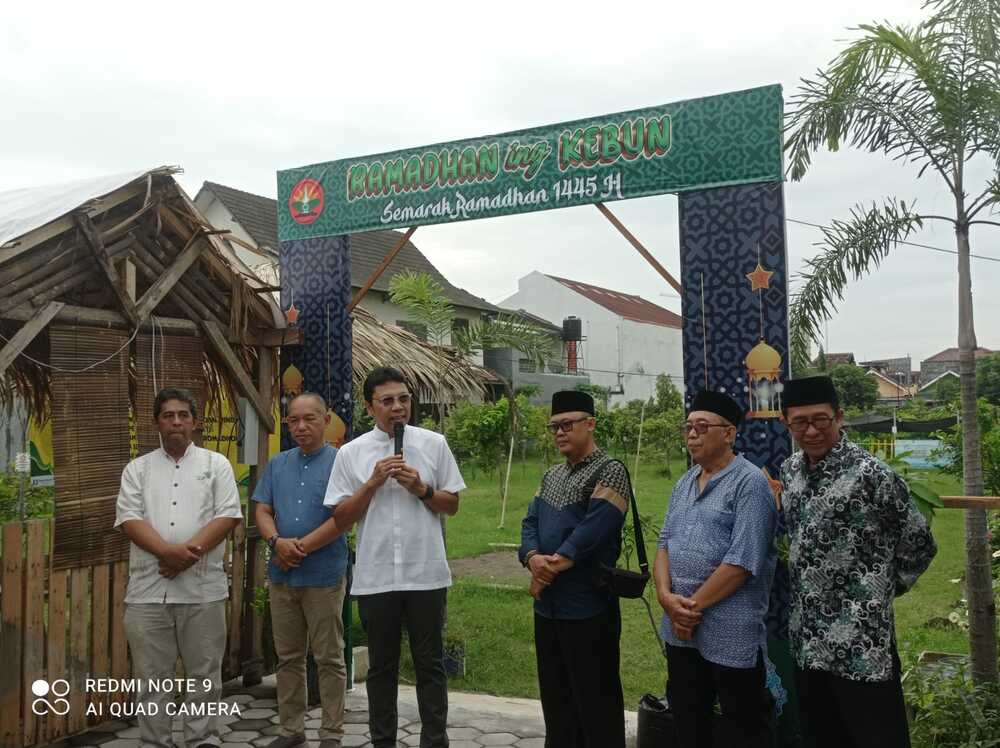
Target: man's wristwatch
{"type": "Point", "coordinates": [272, 541]}
{"type": "Point", "coordinates": [428, 494]}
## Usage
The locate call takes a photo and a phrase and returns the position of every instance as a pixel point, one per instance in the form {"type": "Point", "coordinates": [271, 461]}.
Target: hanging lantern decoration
{"type": "Point", "coordinates": [764, 381]}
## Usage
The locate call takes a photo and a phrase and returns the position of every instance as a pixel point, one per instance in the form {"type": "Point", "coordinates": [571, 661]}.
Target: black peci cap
{"type": "Point", "coordinates": [720, 404]}
{"type": "Point", "coordinates": [810, 391]}
{"type": "Point", "coordinates": [569, 401]}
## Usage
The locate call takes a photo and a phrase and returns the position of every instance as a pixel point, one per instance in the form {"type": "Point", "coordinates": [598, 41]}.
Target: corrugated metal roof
{"type": "Point", "coordinates": [626, 305]}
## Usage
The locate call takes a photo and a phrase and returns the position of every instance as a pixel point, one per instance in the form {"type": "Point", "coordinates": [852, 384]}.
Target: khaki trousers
{"type": "Point", "coordinates": [159, 632]}
{"type": "Point", "coordinates": [312, 616]}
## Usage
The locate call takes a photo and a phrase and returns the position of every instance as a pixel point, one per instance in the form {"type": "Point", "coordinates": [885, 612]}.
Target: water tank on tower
{"type": "Point", "coordinates": [572, 334]}
{"type": "Point", "coordinates": [572, 329]}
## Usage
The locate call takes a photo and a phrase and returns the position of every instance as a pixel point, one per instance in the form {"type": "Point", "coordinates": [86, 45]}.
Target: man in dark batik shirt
{"type": "Point", "coordinates": [856, 541]}
{"type": "Point", "coordinates": [573, 526]}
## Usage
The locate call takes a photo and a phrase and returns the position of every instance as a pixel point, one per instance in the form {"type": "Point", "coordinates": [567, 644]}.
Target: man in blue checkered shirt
{"type": "Point", "coordinates": [713, 574]}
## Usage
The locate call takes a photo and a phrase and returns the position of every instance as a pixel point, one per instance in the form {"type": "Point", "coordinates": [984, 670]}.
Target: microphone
{"type": "Point", "coordinates": [397, 432]}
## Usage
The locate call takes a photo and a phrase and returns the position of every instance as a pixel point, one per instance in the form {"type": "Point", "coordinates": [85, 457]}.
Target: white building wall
{"type": "Point", "coordinates": [219, 216]}
{"type": "Point", "coordinates": [389, 313]}
{"type": "Point", "coordinates": [612, 344]}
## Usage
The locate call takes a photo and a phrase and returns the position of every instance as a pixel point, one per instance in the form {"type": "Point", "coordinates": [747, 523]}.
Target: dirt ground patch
{"type": "Point", "coordinates": [498, 567]}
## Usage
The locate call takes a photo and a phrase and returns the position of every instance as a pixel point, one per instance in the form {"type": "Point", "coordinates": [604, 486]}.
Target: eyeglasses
{"type": "Point", "coordinates": [390, 400]}
{"type": "Point", "coordinates": [700, 427]}
{"type": "Point", "coordinates": [801, 425]}
{"type": "Point", "coordinates": [564, 426]}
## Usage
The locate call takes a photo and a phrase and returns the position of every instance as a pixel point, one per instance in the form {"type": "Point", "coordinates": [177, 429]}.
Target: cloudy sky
{"type": "Point", "coordinates": [232, 92]}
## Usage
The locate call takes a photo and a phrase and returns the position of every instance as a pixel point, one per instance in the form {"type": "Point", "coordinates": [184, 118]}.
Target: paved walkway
{"type": "Point", "coordinates": [474, 720]}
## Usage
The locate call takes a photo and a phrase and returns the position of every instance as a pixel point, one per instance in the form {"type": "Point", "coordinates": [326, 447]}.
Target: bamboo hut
{"type": "Point", "coordinates": [110, 289]}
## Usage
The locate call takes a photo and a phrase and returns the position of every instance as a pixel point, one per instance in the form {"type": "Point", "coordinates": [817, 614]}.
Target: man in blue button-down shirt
{"type": "Point", "coordinates": [307, 585]}
{"type": "Point", "coordinates": [713, 574]}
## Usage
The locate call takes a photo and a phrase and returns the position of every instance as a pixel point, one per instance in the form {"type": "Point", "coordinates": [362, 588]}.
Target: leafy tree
{"type": "Point", "coordinates": [988, 378]}
{"type": "Point", "coordinates": [423, 298]}
{"type": "Point", "coordinates": [951, 443]}
{"type": "Point", "coordinates": [668, 397]}
{"type": "Point", "coordinates": [927, 95]}
{"type": "Point", "coordinates": [821, 360]}
{"type": "Point", "coordinates": [855, 387]}
{"type": "Point", "coordinates": [947, 391]}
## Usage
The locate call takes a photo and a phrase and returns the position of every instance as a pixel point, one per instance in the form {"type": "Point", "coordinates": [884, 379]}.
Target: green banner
{"type": "Point", "coordinates": [730, 139]}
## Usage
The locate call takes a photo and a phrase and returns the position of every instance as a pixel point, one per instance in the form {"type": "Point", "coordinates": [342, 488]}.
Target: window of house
{"type": "Point", "coordinates": [459, 324]}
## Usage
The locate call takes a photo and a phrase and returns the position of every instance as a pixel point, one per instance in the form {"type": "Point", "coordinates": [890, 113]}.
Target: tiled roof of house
{"type": "Point", "coordinates": [259, 216]}
{"type": "Point", "coordinates": [950, 355]}
{"type": "Point", "coordinates": [626, 305]}
{"type": "Point", "coordinates": [835, 359]}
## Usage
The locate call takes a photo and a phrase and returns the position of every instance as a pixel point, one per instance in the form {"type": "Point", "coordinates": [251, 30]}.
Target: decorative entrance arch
{"type": "Point", "coordinates": [723, 156]}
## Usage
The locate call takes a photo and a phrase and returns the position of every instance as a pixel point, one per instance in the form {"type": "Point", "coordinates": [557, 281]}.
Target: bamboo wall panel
{"type": "Point", "coordinates": [176, 361]}
{"type": "Point", "coordinates": [90, 439]}
{"type": "Point", "coordinates": [11, 607]}
{"type": "Point", "coordinates": [69, 625]}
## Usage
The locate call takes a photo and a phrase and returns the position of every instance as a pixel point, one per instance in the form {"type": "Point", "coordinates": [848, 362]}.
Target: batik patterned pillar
{"type": "Point", "coordinates": [735, 305]}
{"type": "Point", "coordinates": [733, 269]}
{"type": "Point", "coordinates": [315, 292]}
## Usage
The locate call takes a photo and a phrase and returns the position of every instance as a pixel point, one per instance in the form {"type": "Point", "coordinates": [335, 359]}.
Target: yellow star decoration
{"type": "Point", "coordinates": [760, 279]}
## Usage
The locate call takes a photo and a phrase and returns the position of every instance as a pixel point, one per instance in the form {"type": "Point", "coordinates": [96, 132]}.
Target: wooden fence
{"type": "Point", "coordinates": [69, 624]}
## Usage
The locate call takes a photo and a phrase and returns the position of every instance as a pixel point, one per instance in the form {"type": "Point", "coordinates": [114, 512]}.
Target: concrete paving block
{"type": "Point", "coordinates": [240, 736]}
{"type": "Point", "coordinates": [240, 698]}
{"type": "Point", "coordinates": [312, 734]}
{"type": "Point", "coordinates": [463, 733]}
{"type": "Point", "coordinates": [355, 728]}
{"type": "Point", "coordinates": [123, 743]}
{"type": "Point", "coordinates": [263, 713]}
{"type": "Point", "coordinates": [356, 718]}
{"type": "Point", "coordinates": [410, 740]}
{"type": "Point", "coordinates": [463, 744]}
{"type": "Point", "coordinates": [354, 741]}
{"type": "Point", "coordinates": [112, 726]}
{"type": "Point", "coordinates": [530, 743]}
{"type": "Point", "coordinates": [272, 730]}
{"type": "Point", "coordinates": [264, 704]}
{"type": "Point", "coordinates": [249, 724]}
{"type": "Point", "coordinates": [128, 732]}
{"type": "Point", "coordinates": [314, 724]}
{"type": "Point", "coordinates": [239, 745]}
{"type": "Point", "coordinates": [497, 738]}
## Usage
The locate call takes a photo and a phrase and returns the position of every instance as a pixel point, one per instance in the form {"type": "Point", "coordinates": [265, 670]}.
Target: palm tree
{"type": "Point", "coordinates": [928, 95]}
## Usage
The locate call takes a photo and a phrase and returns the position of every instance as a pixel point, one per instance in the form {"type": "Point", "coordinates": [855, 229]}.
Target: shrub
{"type": "Point", "coordinates": [38, 500]}
{"type": "Point", "coordinates": [949, 710]}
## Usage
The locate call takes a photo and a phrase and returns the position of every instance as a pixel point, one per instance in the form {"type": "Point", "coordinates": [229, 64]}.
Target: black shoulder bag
{"type": "Point", "coordinates": [625, 582]}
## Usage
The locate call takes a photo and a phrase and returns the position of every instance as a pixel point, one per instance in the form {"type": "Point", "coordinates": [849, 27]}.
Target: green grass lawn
{"type": "Point", "coordinates": [496, 621]}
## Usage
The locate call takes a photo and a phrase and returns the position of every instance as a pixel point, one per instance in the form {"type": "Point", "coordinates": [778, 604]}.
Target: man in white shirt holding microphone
{"type": "Point", "coordinates": [396, 482]}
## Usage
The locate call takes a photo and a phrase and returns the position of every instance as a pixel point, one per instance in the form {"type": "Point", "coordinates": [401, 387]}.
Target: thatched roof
{"type": "Point", "coordinates": [62, 253]}
{"type": "Point", "coordinates": [438, 373]}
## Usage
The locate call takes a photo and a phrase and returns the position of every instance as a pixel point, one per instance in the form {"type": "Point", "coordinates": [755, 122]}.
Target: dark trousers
{"type": "Point", "coordinates": [382, 617]}
{"type": "Point", "coordinates": [579, 681]}
{"type": "Point", "coordinates": [845, 713]}
{"type": "Point", "coordinates": [693, 686]}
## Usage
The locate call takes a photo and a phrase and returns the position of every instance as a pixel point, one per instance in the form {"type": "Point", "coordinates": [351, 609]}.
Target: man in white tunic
{"type": "Point", "coordinates": [402, 573]}
{"type": "Point", "coordinates": [177, 504]}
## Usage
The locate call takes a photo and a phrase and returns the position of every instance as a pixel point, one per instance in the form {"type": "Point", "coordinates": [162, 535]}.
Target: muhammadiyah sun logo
{"type": "Point", "coordinates": [306, 201]}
